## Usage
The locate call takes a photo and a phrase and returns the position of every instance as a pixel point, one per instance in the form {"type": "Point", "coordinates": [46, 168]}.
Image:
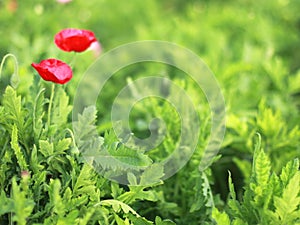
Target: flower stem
{"type": "Point", "coordinates": [50, 105]}
{"type": "Point", "coordinates": [16, 69]}
{"type": "Point", "coordinates": [73, 59]}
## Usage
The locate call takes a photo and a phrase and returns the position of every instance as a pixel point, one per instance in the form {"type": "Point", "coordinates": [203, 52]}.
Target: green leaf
{"type": "Point", "coordinates": [6, 205]}
{"type": "Point", "coordinates": [84, 128]}
{"type": "Point", "coordinates": [137, 192]}
{"type": "Point", "coordinates": [5, 164]}
{"type": "Point", "coordinates": [39, 183]}
{"type": "Point", "coordinates": [289, 171]}
{"type": "Point", "coordinates": [159, 221]}
{"type": "Point", "coordinates": [55, 198]}
{"type": "Point", "coordinates": [35, 163]}
{"type": "Point", "coordinates": [220, 218]}
{"type": "Point", "coordinates": [120, 221]}
{"type": "Point", "coordinates": [203, 195]}
{"type": "Point", "coordinates": [22, 206]}
{"type": "Point", "coordinates": [117, 205]}
{"type": "Point", "coordinates": [139, 220]}
{"type": "Point", "coordinates": [87, 217]}
{"type": "Point", "coordinates": [262, 168]}
{"type": "Point", "coordinates": [46, 148]}
{"type": "Point", "coordinates": [270, 123]}
{"type": "Point", "coordinates": [85, 184]}
{"type": "Point", "coordinates": [287, 205]}
{"type": "Point", "coordinates": [38, 113]}
{"type": "Point", "coordinates": [13, 108]}
{"type": "Point", "coordinates": [233, 203]}
{"type": "Point", "coordinates": [262, 171]}
{"type": "Point", "coordinates": [131, 179]}
{"type": "Point", "coordinates": [17, 150]}
{"type": "Point", "coordinates": [62, 145]}
{"type": "Point", "coordinates": [115, 156]}
{"type": "Point", "coordinates": [238, 221]}
{"type": "Point", "coordinates": [61, 107]}
{"type": "Point", "coordinates": [152, 175]}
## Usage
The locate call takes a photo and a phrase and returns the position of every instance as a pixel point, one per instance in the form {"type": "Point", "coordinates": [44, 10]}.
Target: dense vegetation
{"type": "Point", "coordinates": [253, 48]}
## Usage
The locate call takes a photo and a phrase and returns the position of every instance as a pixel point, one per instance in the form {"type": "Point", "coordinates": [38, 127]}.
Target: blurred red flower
{"type": "Point", "coordinates": [53, 70]}
{"type": "Point", "coordinates": [76, 40]}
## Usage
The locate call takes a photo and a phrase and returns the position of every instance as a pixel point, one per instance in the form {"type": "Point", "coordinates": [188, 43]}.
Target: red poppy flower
{"type": "Point", "coordinates": [53, 70]}
{"type": "Point", "coordinates": [74, 39]}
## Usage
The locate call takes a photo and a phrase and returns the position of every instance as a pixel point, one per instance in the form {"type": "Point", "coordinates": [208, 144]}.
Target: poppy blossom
{"type": "Point", "coordinates": [54, 70]}
{"type": "Point", "coordinates": [74, 39]}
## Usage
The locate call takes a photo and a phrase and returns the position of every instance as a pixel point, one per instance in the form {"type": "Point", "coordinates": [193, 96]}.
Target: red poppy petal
{"type": "Point", "coordinates": [77, 40]}
{"type": "Point", "coordinates": [54, 70]}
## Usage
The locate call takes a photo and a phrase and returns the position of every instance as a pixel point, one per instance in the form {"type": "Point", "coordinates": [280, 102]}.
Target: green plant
{"type": "Point", "coordinates": [253, 50]}
{"type": "Point", "coordinates": [268, 198]}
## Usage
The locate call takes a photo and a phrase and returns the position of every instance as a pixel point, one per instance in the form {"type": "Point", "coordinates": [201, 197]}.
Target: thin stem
{"type": "Point", "coordinates": [73, 59]}
{"type": "Point", "coordinates": [73, 140]}
{"type": "Point", "coordinates": [16, 69]}
{"type": "Point", "coordinates": [50, 106]}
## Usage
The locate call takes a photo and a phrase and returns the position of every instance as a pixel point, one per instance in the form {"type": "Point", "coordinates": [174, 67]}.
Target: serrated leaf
{"type": "Point", "coordinates": [13, 108]}
{"type": "Point", "coordinates": [84, 128]}
{"type": "Point", "coordinates": [62, 145]}
{"type": "Point", "coordinates": [85, 184]}
{"type": "Point", "coordinates": [39, 184]}
{"type": "Point", "coordinates": [260, 175]}
{"type": "Point", "coordinates": [22, 207]}
{"type": "Point", "coordinates": [137, 192]}
{"type": "Point", "coordinates": [87, 217]}
{"type": "Point", "coordinates": [120, 159]}
{"type": "Point", "coordinates": [233, 203]}
{"type": "Point", "coordinates": [34, 161]}
{"type": "Point", "coordinates": [262, 168]}
{"type": "Point", "coordinates": [220, 218]}
{"type": "Point", "coordinates": [6, 160]}
{"type": "Point", "coordinates": [17, 150]}
{"type": "Point", "coordinates": [6, 205]}
{"type": "Point", "coordinates": [153, 174]}
{"type": "Point", "coordinates": [61, 107]}
{"type": "Point", "coordinates": [117, 205]}
{"type": "Point", "coordinates": [46, 148]}
{"type": "Point", "coordinates": [287, 205]}
{"type": "Point", "coordinates": [289, 171]}
{"type": "Point", "coordinates": [120, 221]}
{"type": "Point", "coordinates": [55, 198]}
{"type": "Point", "coordinates": [131, 179]}
{"type": "Point", "coordinates": [203, 194]}
{"type": "Point", "coordinates": [38, 113]}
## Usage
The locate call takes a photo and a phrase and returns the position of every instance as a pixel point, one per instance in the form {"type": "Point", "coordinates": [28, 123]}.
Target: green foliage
{"type": "Point", "coordinates": [55, 186]}
{"type": "Point", "coordinates": [61, 108]}
{"type": "Point", "coordinates": [15, 146]}
{"type": "Point", "coordinates": [53, 171]}
{"type": "Point", "coordinates": [268, 198]}
{"type": "Point", "coordinates": [220, 218]}
{"type": "Point", "coordinates": [14, 115]}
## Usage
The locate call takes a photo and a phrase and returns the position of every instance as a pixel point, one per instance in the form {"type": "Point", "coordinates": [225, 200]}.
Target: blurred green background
{"type": "Point", "coordinates": [252, 47]}
{"type": "Point", "coordinates": [238, 40]}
